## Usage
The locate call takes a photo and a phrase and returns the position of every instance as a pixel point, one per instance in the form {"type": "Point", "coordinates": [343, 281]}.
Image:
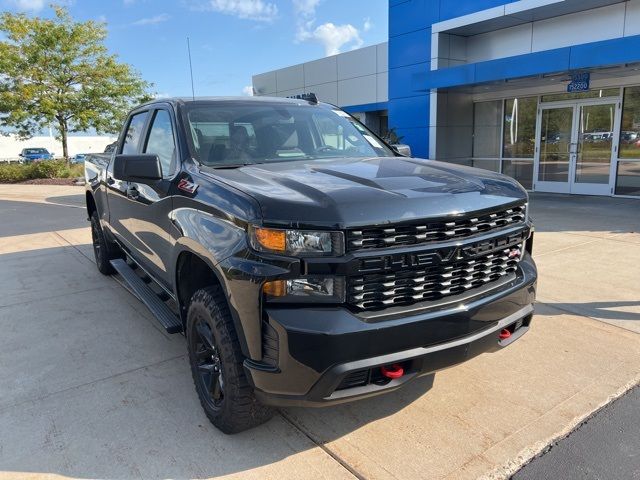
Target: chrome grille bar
{"type": "Point", "coordinates": [422, 233]}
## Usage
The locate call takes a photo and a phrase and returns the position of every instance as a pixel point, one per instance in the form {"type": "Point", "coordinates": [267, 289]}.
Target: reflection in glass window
{"type": "Point", "coordinates": [630, 128]}
{"type": "Point", "coordinates": [132, 138]}
{"type": "Point", "coordinates": [628, 180]}
{"type": "Point", "coordinates": [486, 129]}
{"type": "Point", "coordinates": [521, 170]}
{"type": "Point", "coordinates": [161, 142]}
{"type": "Point", "coordinates": [519, 127]}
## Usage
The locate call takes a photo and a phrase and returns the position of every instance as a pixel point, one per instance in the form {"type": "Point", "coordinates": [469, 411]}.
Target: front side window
{"type": "Point", "coordinates": [161, 141]}
{"type": "Point", "coordinates": [134, 132]}
{"type": "Point", "coordinates": [241, 134]}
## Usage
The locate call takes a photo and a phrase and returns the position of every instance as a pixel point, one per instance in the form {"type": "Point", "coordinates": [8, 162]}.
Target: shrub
{"type": "Point", "coordinates": [14, 172]}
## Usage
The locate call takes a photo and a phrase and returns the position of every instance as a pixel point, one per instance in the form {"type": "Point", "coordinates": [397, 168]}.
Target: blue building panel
{"type": "Point", "coordinates": [411, 112]}
{"type": "Point", "coordinates": [606, 52]}
{"type": "Point", "coordinates": [412, 15]}
{"type": "Point", "coordinates": [417, 138]}
{"type": "Point", "coordinates": [409, 81]}
{"type": "Point", "coordinates": [457, 8]}
{"type": "Point", "coordinates": [548, 61]}
{"type": "Point", "coordinates": [367, 107]}
{"type": "Point", "coordinates": [410, 48]}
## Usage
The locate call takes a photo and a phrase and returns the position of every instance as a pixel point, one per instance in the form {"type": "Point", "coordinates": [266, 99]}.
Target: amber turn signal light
{"type": "Point", "coordinates": [274, 240]}
{"type": "Point", "coordinates": [276, 288]}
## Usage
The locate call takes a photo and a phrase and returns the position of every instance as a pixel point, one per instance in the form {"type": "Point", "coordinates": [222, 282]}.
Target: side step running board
{"type": "Point", "coordinates": [158, 308]}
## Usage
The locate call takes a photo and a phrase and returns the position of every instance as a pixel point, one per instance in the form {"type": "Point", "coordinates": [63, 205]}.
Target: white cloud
{"type": "Point", "coordinates": [333, 37]}
{"type": "Point", "coordinates": [368, 25]}
{"type": "Point", "coordinates": [248, 91]}
{"type": "Point", "coordinates": [305, 8]}
{"type": "Point", "coordinates": [163, 17]}
{"type": "Point", "coordinates": [32, 5]}
{"type": "Point", "coordinates": [259, 10]}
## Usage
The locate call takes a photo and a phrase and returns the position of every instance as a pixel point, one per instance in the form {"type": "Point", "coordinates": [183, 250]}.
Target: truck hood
{"type": "Point", "coordinates": [342, 193]}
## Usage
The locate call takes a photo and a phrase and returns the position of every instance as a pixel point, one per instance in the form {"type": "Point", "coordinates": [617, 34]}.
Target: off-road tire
{"type": "Point", "coordinates": [103, 250]}
{"type": "Point", "coordinates": [238, 409]}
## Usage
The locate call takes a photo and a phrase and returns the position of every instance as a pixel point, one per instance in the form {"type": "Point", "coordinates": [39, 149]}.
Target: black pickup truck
{"type": "Point", "coordinates": [306, 262]}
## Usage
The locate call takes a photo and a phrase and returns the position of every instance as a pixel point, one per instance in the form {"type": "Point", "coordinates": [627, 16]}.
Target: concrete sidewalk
{"type": "Point", "coordinates": [90, 387]}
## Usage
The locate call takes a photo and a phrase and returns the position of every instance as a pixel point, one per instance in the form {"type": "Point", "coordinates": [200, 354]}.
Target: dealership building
{"type": "Point", "coordinates": [546, 91]}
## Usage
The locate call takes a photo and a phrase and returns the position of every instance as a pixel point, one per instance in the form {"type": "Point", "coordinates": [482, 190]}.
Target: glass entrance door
{"type": "Point", "coordinates": [575, 145]}
{"type": "Point", "coordinates": [554, 158]}
{"type": "Point", "coordinates": [593, 148]}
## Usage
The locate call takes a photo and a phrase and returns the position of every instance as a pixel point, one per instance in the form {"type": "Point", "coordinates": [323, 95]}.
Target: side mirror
{"type": "Point", "coordinates": [145, 168]}
{"type": "Point", "coordinates": [401, 149]}
{"type": "Point", "coordinates": [20, 155]}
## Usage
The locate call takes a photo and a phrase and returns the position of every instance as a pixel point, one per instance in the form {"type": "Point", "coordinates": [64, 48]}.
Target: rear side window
{"type": "Point", "coordinates": [161, 141]}
{"type": "Point", "coordinates": [134, 132]}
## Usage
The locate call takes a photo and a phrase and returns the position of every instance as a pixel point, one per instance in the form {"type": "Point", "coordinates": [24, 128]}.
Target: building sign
{"type": "Point", "coordinates": [579, 82]}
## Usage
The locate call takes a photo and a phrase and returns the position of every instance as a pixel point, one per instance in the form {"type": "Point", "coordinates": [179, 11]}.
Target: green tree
{"type": "Point", "coordinates": [58, 72]}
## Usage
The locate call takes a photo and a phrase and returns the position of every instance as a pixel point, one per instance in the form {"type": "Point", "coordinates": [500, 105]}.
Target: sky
{"type": "Point", "coordinates": [231, 40]}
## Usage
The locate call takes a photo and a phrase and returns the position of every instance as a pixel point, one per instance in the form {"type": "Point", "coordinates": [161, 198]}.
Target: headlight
{"type": "Point", "coordinates": [296, 242]}
{"type": "Point", "coordinates": [306, 289]}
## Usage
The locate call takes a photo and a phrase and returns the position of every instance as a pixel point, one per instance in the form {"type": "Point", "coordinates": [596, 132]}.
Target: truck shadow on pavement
{"type": "Point", "coordinates": [90, 387]}
{"type": "Point", "coordinates": [601, 310]}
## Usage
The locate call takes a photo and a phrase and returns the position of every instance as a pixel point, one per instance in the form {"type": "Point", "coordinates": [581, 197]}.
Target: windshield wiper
{"type": "Point", "coordinates": [230, 165]}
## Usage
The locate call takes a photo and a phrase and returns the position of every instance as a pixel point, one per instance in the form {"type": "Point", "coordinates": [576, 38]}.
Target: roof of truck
{"type": "Point", "coordinates": [245, 99]}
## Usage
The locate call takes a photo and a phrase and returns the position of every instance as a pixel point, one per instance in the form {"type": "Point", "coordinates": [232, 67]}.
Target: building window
{"type": "Point", "coordinates": [630, 127]}
{"type": "Point", "coordinates": [603, 92]}
{"type": "Point", "coordinates": [486, 129]}
{"type": "Point", "coordinates": [519, 137]}
{"type": "Point", "coordinates": [521, 170]}
{"type": "Point", "coordinates": [628, 178]}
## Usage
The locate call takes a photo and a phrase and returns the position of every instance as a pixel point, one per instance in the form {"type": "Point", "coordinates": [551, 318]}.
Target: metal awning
{"type": "Point", "coordinates": [515, 13]}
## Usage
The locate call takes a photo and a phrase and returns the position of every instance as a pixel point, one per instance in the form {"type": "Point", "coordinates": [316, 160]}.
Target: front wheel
{"type": "Point", "coordinates": [216, 365]}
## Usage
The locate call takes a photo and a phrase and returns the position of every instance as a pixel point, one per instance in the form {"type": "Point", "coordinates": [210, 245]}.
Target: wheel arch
{"type": "Point", "coordinates": [194, 271]}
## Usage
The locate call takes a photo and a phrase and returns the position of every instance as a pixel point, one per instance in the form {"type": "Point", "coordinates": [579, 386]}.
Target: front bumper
{"type": "Point", "coordinates": [332, 355]}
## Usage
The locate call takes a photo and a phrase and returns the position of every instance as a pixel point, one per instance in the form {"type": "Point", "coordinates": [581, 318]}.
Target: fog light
{"type": "Point", "coordinates": [306, 289]}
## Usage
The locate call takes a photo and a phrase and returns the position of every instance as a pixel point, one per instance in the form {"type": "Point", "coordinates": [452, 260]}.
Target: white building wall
{"type": "Point", "coordinates": [597, 24]}
{"type": "Point", "coordinates": [351, 78]}
{"type": "Point", "coordinates": [10, 146]}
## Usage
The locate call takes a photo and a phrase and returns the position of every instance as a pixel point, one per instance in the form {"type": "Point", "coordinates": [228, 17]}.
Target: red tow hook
{"type": "Point", "coordinates": [504, 334]}
{"type": "Point", "coordinates": [392, 371]}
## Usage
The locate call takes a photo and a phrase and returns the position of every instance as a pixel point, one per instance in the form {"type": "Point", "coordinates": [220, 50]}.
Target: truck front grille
{"type": "Point", "coordinates": [409, 286]}
{"type": "Point", "coordinates": [437, 231]}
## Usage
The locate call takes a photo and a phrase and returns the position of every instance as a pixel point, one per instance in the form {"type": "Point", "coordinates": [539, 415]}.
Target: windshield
{"type": "Point", "coordinates": [32, 151]}
{"type": "Point", "coordinates": [226, 134]}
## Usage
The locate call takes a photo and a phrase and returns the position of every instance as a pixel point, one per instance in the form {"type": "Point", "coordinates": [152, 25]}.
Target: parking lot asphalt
{"type": "Point", "coordinates": [90, 387]}
{"type": "Point", "coordinates": [605, 446]}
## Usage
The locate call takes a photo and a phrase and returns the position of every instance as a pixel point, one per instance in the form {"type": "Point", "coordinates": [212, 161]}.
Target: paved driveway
{"type": "Point", "coordinates": [90, 387]}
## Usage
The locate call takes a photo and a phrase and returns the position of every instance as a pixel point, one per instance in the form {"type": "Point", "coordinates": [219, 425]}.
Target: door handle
{"type": "Point", "coordinates": [132, 192]}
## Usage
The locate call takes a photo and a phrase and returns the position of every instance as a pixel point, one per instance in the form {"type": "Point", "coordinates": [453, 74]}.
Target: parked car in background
{"type": "Point", "coordinates": [28, 155]}
{"type": "Point", "coordinates": [78, 158]}
{"type": "Point", "coordinates": [307, 261]}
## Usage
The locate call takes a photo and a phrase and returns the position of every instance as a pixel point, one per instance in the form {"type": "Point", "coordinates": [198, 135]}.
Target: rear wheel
{"type": "Point", "coordinates": [103, 251]}
{"type": "Point", "coordinates": [216, 365]}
